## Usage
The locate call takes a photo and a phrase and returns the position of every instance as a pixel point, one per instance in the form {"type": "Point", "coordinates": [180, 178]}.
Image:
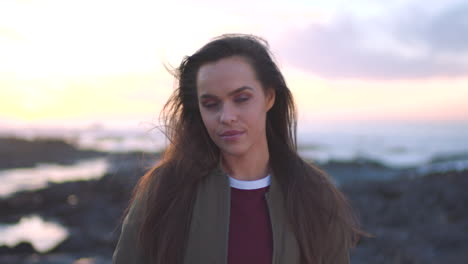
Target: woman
{"type": "Point", "coordinates": [231, 187]}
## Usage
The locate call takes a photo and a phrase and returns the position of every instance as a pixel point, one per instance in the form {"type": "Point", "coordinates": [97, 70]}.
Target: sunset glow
{"type": "Point", "coordinates": [65, 60]}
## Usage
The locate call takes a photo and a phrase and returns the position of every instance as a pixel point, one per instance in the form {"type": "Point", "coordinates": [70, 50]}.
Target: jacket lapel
{"type": "Point", "coordinates": [285, 247]}
{"type": "Point", "coordinates": [208, 237]}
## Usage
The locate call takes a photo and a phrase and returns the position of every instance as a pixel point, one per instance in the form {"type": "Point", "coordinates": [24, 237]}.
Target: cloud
{"type": "Point", "coordinates": [446, 31]}
{"type": "Point", "coordinates": [410, 44]}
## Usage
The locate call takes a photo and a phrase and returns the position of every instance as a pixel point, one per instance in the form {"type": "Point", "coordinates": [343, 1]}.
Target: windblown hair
{"type": "Point", "coordinates": [320, 216]}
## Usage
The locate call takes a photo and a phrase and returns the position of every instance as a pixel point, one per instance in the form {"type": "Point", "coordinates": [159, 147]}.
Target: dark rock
{"type": "Point", "coordinates": [21, 153]}
{"type": "Point", "coordinates": [90, 210]}
{"type": "Point", "coordinates": [21, 248]}
{"type": "Point", "coordinates": [358, 170]}
{"type": "Point", "coordinates": [414, 220]}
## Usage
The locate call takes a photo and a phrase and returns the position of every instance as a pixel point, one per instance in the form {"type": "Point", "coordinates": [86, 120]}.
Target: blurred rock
{"type": "Point", "coordinates": [22, 248]}
{"type": "Point", "coordinates": [358, 170]}
{"type": "Point", "coordinates": [21, 153]}
{"type": "Point", "coordinates": [414, 220]}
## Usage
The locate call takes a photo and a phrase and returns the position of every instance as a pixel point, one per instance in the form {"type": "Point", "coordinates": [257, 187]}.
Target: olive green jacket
{"type": "Point", "coordinates": [208, 237]}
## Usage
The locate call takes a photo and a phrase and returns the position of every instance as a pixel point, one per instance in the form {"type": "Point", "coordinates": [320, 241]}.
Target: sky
{"type": "Point", "coordinates": [81, 62]}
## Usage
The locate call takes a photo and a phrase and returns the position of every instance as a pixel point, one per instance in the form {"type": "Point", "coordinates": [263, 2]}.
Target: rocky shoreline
{"type": "Point", "coordinates": [22, 153]}
{"type": "Point", "coordinates": [414, 219]}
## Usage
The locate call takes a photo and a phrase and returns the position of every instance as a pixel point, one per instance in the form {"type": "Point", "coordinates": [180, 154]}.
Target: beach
{"type": "Point", "coordinates": [73, 214]}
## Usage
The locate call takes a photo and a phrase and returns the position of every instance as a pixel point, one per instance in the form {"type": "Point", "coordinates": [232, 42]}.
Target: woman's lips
{"type": "Point", "coordinates": [231, 134]}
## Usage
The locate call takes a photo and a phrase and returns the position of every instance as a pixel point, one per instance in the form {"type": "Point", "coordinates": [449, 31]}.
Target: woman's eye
{"type": "Point", "coordinates": [242, 99]}
{"type": "Point", "coordinates": [210, 105]}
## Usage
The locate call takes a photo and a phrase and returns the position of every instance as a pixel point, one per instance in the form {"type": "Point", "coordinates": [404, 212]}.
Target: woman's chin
{"type": "Point", "coordinates": [233, 151]}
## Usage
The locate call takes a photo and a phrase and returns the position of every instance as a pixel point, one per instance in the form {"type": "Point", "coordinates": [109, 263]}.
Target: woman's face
{"type": "Point", "coordinates": [233, 105]}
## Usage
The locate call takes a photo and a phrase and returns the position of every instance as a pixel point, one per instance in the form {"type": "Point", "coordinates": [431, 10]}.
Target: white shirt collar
{"type": "Point", "coordinates": [250, 185]}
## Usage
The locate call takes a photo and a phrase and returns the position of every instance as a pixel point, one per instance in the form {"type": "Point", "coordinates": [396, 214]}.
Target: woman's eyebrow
{"type": "Point", "coordinates": [238, 90]}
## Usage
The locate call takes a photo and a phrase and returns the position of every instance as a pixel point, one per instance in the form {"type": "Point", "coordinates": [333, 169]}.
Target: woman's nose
{"type": "Point", "coordinates": [228, 114]}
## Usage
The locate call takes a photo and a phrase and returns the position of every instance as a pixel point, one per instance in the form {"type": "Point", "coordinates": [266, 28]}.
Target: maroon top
{"type": "Point", "coordinates": [250, 235]}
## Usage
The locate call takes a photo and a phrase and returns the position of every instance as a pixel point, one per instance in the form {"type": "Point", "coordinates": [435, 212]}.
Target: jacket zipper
{"type": "Point", "coordinates": [228, 221]}
{"type": "Point", "coordinates": [273, 261]}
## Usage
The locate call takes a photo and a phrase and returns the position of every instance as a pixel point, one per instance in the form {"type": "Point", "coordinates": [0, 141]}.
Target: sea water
{"type": "Point", "coordinates": [392, 144]}
{"type": "Point", "coordinates": [396, 144]}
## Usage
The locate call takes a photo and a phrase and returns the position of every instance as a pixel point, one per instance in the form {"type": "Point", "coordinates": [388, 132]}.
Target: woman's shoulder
{"type": "Point", "coordinates": [127, 250]}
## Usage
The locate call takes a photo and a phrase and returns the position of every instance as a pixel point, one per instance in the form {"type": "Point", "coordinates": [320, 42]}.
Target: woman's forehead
{"type": "Point", "coordinates": [225, 76]}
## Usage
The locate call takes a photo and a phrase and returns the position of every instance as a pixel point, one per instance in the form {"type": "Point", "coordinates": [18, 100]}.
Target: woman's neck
{"type": "Point", "coordinates": [251, 166]}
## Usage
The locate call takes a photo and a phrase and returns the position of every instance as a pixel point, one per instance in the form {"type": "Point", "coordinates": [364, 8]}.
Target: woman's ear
{"type": "Point", "coordinates": [270, 98]}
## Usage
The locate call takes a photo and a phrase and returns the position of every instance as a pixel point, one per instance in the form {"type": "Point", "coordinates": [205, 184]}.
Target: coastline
{"type": "Point", "coordinates": [414, 219]}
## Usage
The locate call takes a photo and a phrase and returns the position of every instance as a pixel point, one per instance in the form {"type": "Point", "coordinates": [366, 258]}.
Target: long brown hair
{"type": "Point", "coordinates": [321, 218]}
